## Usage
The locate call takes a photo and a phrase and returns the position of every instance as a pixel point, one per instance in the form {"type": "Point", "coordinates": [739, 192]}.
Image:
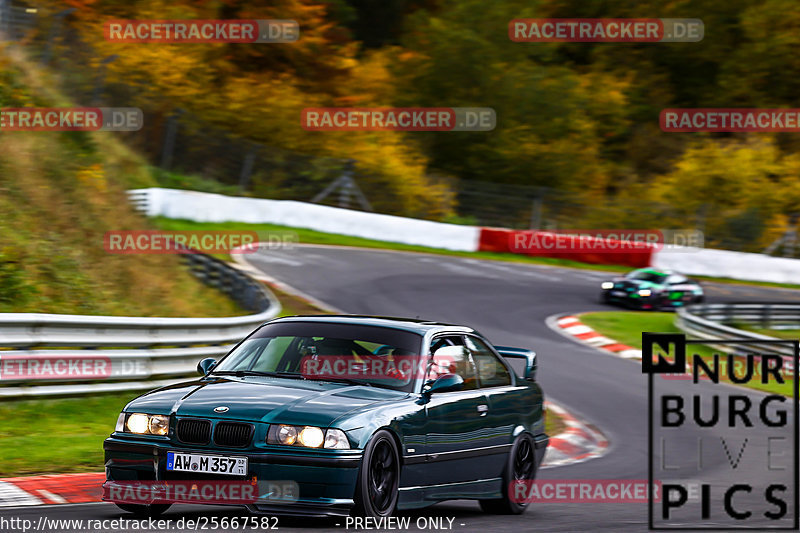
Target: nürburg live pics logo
{"type": "Point", "coordinates": [722, 442]}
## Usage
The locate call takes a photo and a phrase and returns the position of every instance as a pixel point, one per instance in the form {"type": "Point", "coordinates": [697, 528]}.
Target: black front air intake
{"type": "Point", "coordinates": [233, 434]}
{"type": "Point", "coordinates": [194, 431]}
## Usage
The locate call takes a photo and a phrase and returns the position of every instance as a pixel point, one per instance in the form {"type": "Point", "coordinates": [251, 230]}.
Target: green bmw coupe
{"type": "Point", "coordinates": [337, 415]}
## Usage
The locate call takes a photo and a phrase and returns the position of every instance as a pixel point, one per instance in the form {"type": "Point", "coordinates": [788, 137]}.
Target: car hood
{"type": "Point", "coordinates": [263, 399]}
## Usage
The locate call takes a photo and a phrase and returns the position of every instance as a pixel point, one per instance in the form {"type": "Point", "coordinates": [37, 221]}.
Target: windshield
{"type": "Point", "coordinates": [365, 355]}
{"type": "Point", "coordinates": [647, 275]}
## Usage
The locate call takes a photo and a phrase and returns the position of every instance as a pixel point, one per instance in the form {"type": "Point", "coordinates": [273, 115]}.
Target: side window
{"type": "Point", "coordinates": [450, 356]}
{"type": "Point", "coordinates": [491, 371]}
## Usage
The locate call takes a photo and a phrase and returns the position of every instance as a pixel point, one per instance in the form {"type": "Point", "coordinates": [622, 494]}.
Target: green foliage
{"type": "Point", "coordinates": [580, 119]}
{"type": "Point", "coordinates": [13, 285]}
{"type": "Point", "coordinates": [174, 180]}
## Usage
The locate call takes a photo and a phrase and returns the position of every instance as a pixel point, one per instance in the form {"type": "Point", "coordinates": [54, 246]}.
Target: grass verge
{"type": "Point", "coordinates": [60, 194]}
{"type": "Point", "coordinates": [57, 435]}
{"type": "Point", "coordinates": [626, 327]}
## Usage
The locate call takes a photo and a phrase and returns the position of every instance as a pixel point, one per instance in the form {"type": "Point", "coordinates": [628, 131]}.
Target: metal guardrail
{"type": "Point", "coordinates": [125, 353]}
{"type": "Point", "coordinates": [715, 322]}
{"type": "Point", "coordinates": [140, 199]}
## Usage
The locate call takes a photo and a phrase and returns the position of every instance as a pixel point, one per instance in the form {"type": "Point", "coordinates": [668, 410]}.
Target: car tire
{"type": "Point", "coordinates": [605, 297]}
{"type": "Point", "coordinates": [144, 510]}
{"type": "Point", "coordinates": [377, 487]}
{"type": "Point", "coordinates": [520, 468]}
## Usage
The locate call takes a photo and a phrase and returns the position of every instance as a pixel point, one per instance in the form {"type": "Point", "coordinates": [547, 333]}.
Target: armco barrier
{"type": "Point", "coordinates": [708, 322]}
{"type": "Point", "coordinates": [132, 351]}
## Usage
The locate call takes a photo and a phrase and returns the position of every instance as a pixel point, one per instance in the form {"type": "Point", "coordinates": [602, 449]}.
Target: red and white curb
{"type": "Point", "coordinates": [51, 489]}
{"type": "Point", "coordinates": [579, 442]}
{"type": "Point", "coordinates": [571, 326]}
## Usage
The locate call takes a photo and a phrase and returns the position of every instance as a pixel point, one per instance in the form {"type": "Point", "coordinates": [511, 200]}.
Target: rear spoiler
{"type": "Point", "coordinates": [522, 360]}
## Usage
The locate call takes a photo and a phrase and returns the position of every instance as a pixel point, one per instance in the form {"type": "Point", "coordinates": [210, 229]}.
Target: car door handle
{"type": "Point", "coordinates": [483, 409]}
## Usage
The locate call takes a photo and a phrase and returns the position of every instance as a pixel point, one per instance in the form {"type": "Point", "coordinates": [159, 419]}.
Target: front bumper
{"type": "Point", "coordinates": [655, 301]}
{"type": "Point", "coordinates": [325, 479]}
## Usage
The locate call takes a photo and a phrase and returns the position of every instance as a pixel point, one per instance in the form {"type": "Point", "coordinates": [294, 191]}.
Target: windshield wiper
{"type": "Point", "coordinates": [242, 373]}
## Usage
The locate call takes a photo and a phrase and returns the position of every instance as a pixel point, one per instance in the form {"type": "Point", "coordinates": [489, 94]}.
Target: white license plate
{"type": "Point", "coordinates": [618, 293]}
{"type": "Point", "coordinates": [207, 464]}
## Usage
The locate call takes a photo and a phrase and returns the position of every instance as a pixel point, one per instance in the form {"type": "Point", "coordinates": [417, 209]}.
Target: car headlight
{"type": "Point", "coordinates": [287, 435]}
{"type": "Point", "coordinates": [607, 285]}
{"type": "Point", "coordinates": [158, 425]}
{"type": "Point", "coordinates": [308, 437]}
{"type": "Point", "coordinates": [311, 436]}
{"type": "Point", "coordinates": [144, 424]}
{"type": "Point", "coordinates": [644, 292]}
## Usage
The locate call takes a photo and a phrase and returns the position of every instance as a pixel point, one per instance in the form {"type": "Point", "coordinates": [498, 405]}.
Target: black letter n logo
{"type": "Point", "coordinates": [665, 346]}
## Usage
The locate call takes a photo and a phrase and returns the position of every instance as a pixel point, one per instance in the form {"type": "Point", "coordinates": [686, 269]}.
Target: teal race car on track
{"type": "Point", "coordinates": [650, 288]}
{"type": "Point", "coordinates": [337, 415]}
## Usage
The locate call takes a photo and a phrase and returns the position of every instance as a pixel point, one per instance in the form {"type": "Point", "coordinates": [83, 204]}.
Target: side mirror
{"type": "Point", "coordinates": [206, 365]}
{"type": "Point", "coordinates": [523, 361]}
{"type": "Point", "coordinates": [446, 383]}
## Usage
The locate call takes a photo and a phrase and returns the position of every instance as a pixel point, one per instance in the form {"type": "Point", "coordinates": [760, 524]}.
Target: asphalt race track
{"type": "Point", "coordinates": [509, 303]}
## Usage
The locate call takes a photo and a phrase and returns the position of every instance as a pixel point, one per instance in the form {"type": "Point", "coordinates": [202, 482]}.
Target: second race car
{"type": "Point", "coordinates": [650, 288]}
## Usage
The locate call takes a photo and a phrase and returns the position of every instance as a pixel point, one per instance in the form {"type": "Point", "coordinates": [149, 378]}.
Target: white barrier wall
{"type": "Point", "coordinates": [206, 207]}
{"type": "Point", "coordinates": [727, 264]}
